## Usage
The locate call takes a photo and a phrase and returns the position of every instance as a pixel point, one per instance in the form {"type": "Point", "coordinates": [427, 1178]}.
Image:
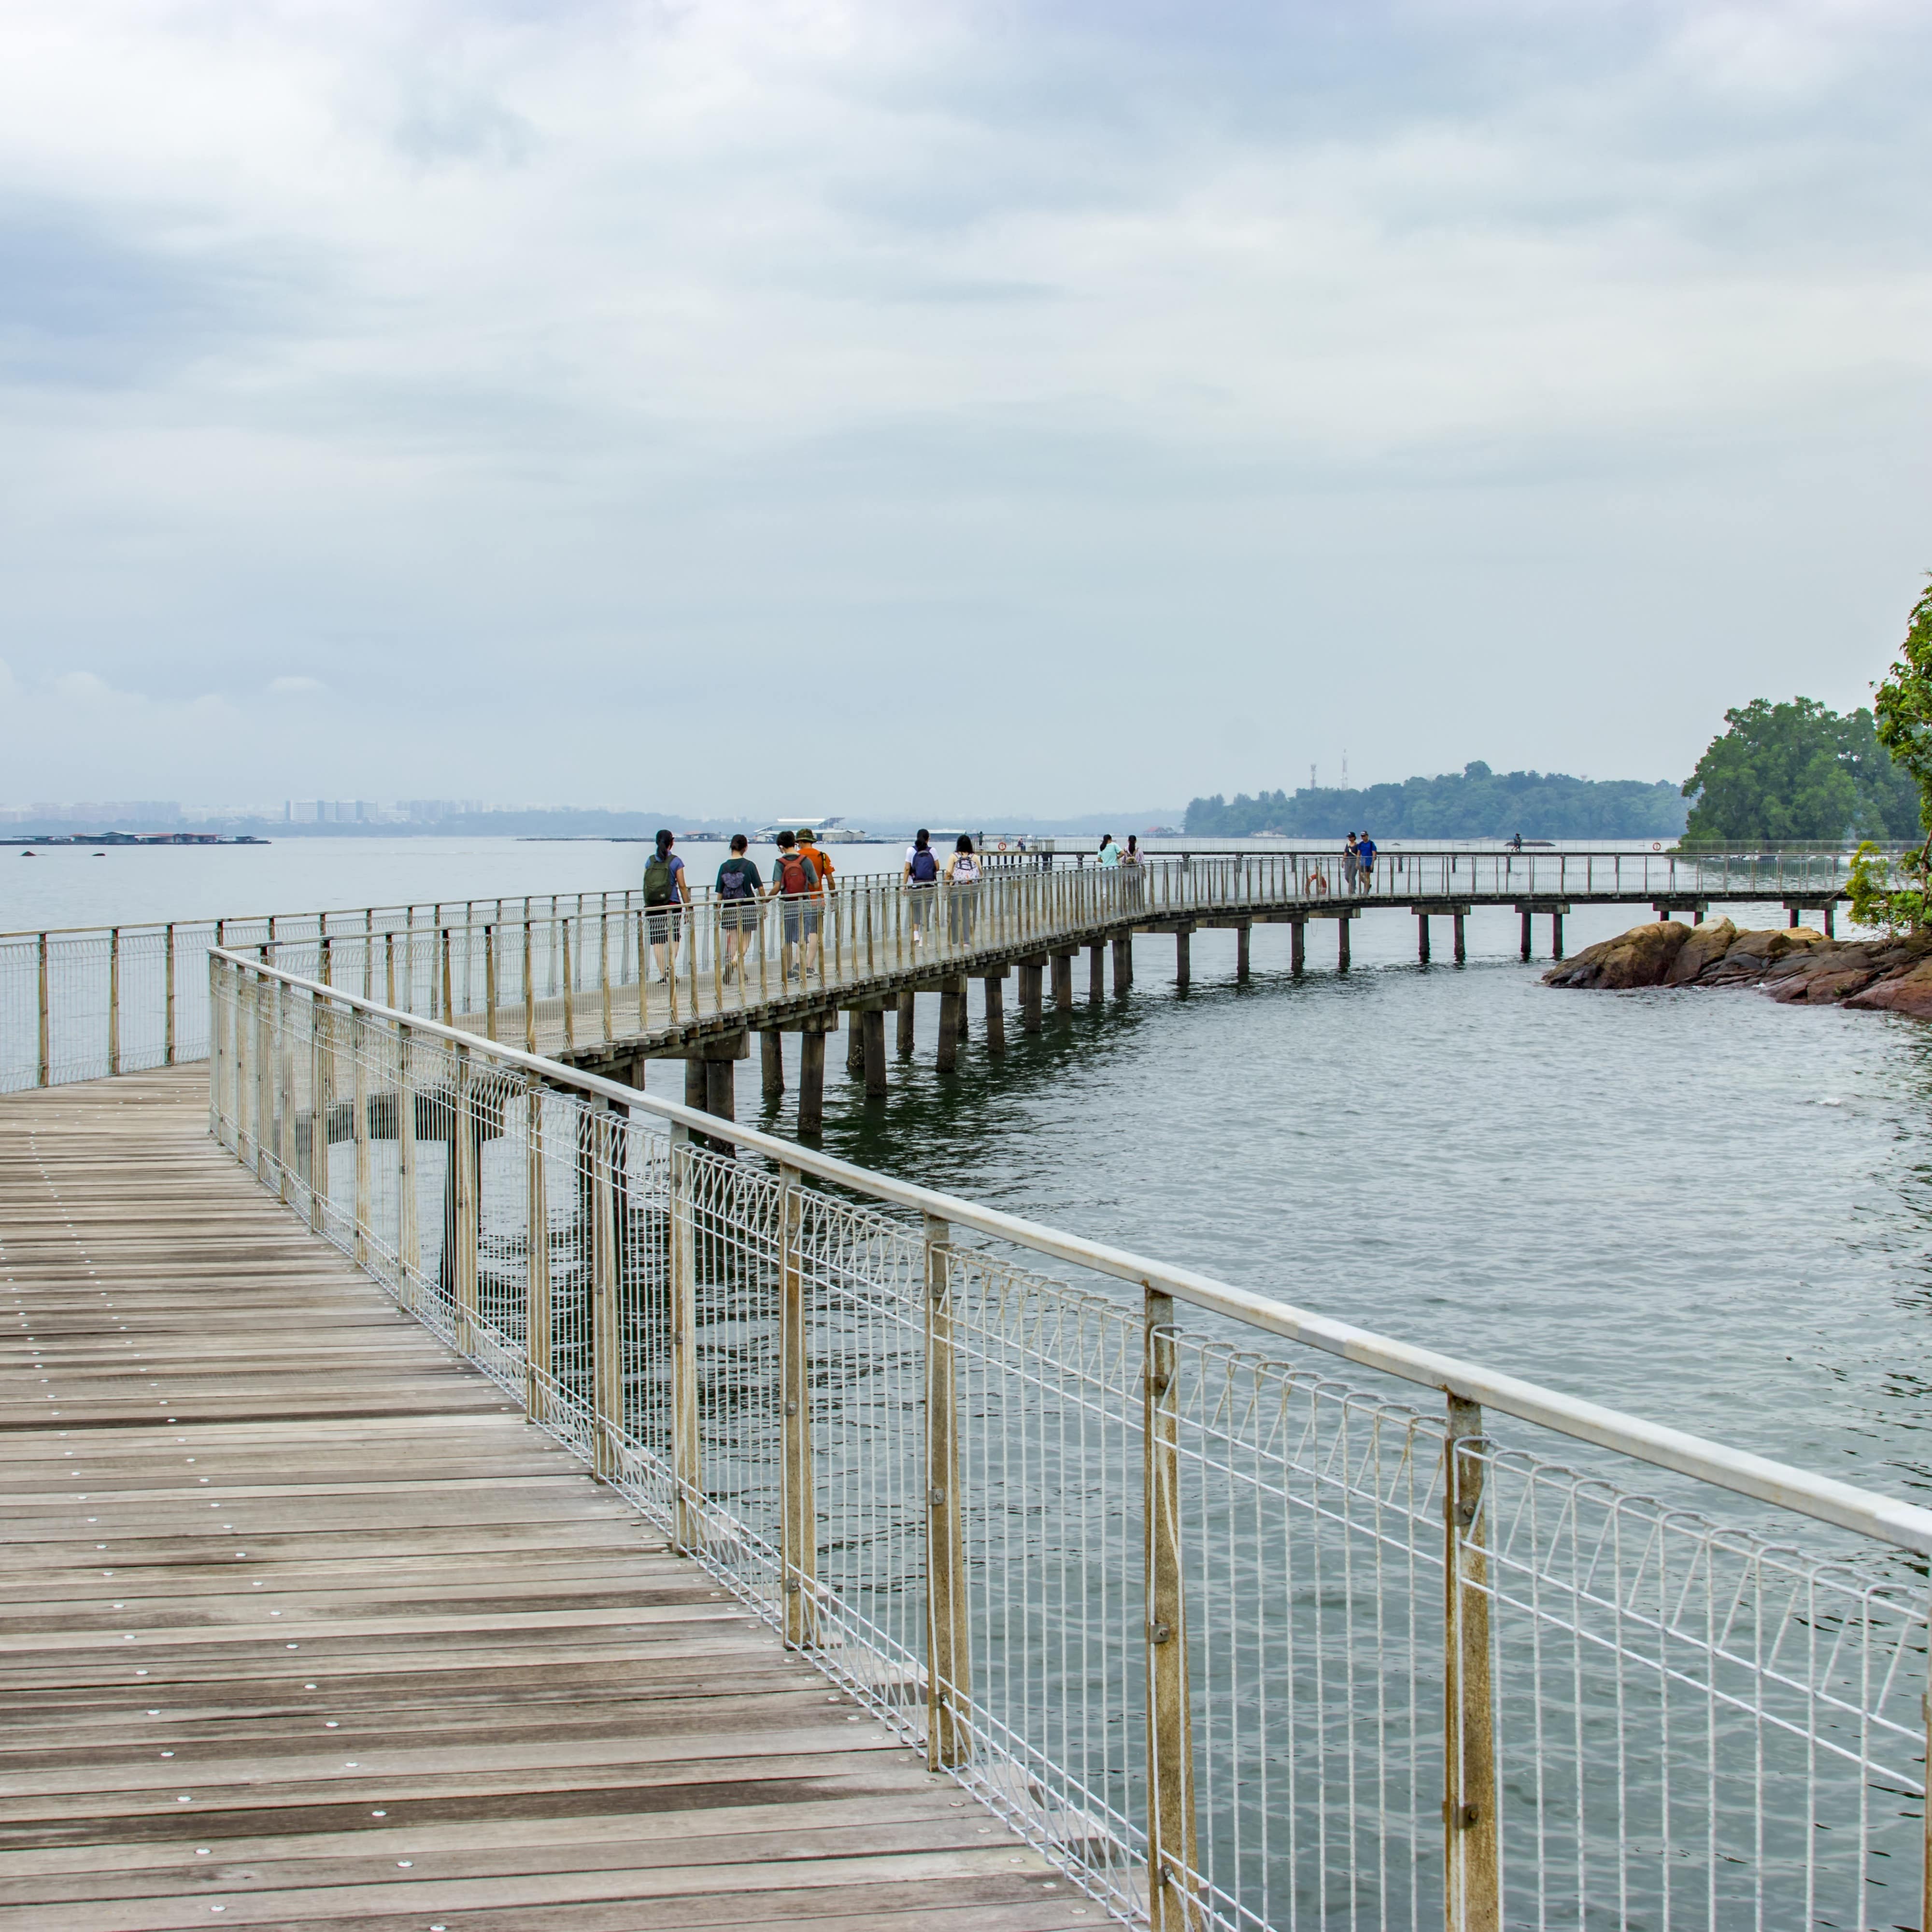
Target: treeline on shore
{"type": "Point", "coordinates": [1473, 803]}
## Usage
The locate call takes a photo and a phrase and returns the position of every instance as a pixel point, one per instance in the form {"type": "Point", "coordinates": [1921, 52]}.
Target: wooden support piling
{"type": "Point", "coordinates": [1461, 950]}
{"type": "Point", "coordinates": [1298, 947]}
{"type": "Point", "coordinates": [1123, 963]}
{"type": "Point", "coordinates": [996, 1015]}
{"type": "Point", "coordinates": [1525, 932]}
{"type": "Point", "coordinates": [1183, 958]}
{"type": "Point", "coordinates": [771, 1044]}
{"type": "Point", "coordinates": [1063, 983]}
{"type": "Point", "coordinates": [1096, 974]}
{"type": "Point", "coordinates": [908, 1002]}
{"type": "Point", "coordinates": [1422, 938]}
{"type": "Point", "coordinates": [1030, 1004]}
{"type": "Point", "coordinates": [1830, 907]}
{"type": "Point", "coordinates": [810, 1083]}
{"type": "Point", "coordinates": [697, 1083]}
{"type": "Point", "coordinates": [872, 1030]}
{"type": "Point", "coordinates": [855, 1045]}
{"type": "Point", "coordinates": [721, 1091]}
{"type": "Point", "coordinates": [1242, 935]}
{"type": "Point", "coordinates": [951, 1013]}
{"type": "Point", "coordinates": [1556, 935]}
{"type": "Point", "coordinates": [1342, 944]}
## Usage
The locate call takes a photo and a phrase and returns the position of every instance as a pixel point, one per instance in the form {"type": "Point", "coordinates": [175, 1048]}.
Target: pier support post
{"type": "Point", "coordinates": [1461, 951]}
{"type": "Point", "coordinates": [697, 1084]}
{"type": "Point", "coordinates": [1342, 944]}
{"type": "Point", "coordinates": [1123, 963]}
{"type": "Point", "coordinates": [1525, 932]}
{"type": "Point", "coordinates": [1171, 1855]}
{"type": "Point", "coordinates": [1063, 983]}
{"type": "Point", "coordinates": [872, 1040]}
{"type": "Point", "coordinates": [1422, 938]}
{"type": "Point", "coordinates": [951, 1019]}
{"type": "Point", "coordinates": [908, 1002]}
{"type": "Point", "coordinates": [1830, 907]}
{"type": "Point", "coordinates": [1556, 935]}
{"type": "Point", "coordinates": [996, 1015]}
{"type": "Point", "coordinates": [799, 1534]}
{"type": "Point", "coordinates": [1184, 960]}
{"type": "Point", "coordinates": [1030, 972]}
{"type": "Point", "coordinates": [1298, 947]}
{"type": "Point", "coordinates": [721, 1092]}
{"type": "Point", "coordinates": [949, 1741]}
{"type": "Point", "coordinates": [1242, 933]}
{"type": "Point", "coordinates": [810, 1083]}
{"type": "Point", "coordinates": [771, 1048]}
{"type": "Point", "coordinates": [1796, 916]}
{"type": "Point", "coordinates": [1473, 1892]}
{"type": "Point", "coordinates": [1096, 974]}
{"type": "Point", "coordinates": [855, 1043]}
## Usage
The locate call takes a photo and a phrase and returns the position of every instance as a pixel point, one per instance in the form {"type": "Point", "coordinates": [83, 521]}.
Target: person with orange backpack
{"type": "Point", "coordinates": [795, 882]}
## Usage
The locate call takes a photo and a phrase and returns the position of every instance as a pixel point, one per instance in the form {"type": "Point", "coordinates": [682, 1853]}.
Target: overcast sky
{"type": "Point", "coordinates": [726, 407]}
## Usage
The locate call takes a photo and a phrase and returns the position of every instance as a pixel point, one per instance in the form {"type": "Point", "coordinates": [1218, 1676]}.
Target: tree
{"type": "Point", "coordinates": [1904, 706]}
{"type": "Point", "coordinates": [1799, 770]}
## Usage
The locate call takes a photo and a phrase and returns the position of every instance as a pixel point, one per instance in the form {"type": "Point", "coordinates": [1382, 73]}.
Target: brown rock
{"type": "Point", "coordinates": [1824, 988]}
{"type": "Point", "coordinates": [1640, 957]}
{"type": "Point", "coordinates": [1908, 992]}
{"type": "Point", "coordinates": [1707, 945]}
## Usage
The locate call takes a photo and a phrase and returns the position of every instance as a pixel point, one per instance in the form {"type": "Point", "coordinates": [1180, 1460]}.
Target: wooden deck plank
{"type": "Point", "coordinates": [277, 1562]}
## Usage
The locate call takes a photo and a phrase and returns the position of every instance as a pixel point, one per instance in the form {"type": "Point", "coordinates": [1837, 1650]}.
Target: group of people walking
{"type": "Point", "coordinates": [801, 876]}
{"type": "Point", "coordinates": [1358, 862]}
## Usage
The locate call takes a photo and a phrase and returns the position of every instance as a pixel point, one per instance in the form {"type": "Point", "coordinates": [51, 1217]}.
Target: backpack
{"type": "Point", "coordinates": [734, 880]}
{"type": "Point", "coordinates": [795, 875]}
{"type": "Point", "coordinates": [657, 880]}
{"type": "Point", "coordinates": [925, 866]}
{"type": "Point", "coordinates": [965, 870]}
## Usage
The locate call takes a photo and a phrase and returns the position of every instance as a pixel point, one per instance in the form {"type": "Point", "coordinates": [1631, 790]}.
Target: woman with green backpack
{"type": "Point", "coordinates": [666, 893]}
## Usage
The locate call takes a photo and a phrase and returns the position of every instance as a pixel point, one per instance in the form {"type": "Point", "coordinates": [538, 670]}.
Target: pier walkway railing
{"type": "Point", "coordinates": [554, 973]}
{"type": "Point", "coordinates": [1250, 1618]}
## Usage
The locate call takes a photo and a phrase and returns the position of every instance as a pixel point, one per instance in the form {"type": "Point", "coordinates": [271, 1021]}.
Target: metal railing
{"type": "Point", "coordinates": [567, 970]}
{"type": "Point", "coordinates": [1241, 1637]}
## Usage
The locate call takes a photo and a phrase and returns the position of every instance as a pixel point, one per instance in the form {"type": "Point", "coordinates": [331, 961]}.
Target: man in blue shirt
{"type": "Point", "coordinates": [1365, 862]}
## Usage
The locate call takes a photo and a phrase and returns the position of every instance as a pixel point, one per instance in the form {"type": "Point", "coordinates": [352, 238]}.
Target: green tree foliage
{"type": "Point", "coordinates": [1800, 770]}
{"type": "Point", "coordinates": [1904, 706]}
{"type": "Point", "coordinates": [1473, 803]}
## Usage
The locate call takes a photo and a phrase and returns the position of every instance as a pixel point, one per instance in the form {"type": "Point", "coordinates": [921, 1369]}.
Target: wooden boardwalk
{"type": "Point", "coordinates": [302, 1626]}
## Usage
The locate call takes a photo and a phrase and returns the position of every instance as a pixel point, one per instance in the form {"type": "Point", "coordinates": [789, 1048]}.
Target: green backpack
{"type": "Point", "coordinates": [657, 880]}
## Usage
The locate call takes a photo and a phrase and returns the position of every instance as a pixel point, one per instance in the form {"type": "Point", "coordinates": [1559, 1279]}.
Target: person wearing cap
{"type": "Point", "coordinates": [808, 844]}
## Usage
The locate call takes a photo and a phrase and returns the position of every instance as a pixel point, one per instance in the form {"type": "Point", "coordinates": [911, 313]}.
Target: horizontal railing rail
{"type": "Point", "coordinates": [1239, 1642]}
{"type": "Point", "coordinates": [561, 971]}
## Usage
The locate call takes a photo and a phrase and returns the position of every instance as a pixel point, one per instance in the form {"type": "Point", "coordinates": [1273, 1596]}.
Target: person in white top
{"type": "Point", "coordinates": [962, 880]}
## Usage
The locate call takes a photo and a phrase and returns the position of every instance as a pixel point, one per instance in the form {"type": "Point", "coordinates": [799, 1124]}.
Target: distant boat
{"type": "Point", "coordinates": [824, 831]}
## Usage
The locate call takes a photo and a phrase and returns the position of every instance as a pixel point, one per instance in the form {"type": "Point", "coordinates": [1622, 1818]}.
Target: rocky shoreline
{"type": "Point", "coordinates": [1793, 963]}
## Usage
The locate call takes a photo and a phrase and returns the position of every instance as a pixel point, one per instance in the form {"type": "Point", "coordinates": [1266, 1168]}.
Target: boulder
{"type": "Point", "coordinates": [1836, 983]}
{"type": "Point", "coordinates": [1640, 957]}
{"type": "Point", "coordinates": [1707, 945]}
{"type": "Point", "coordinates": [1910, 992]}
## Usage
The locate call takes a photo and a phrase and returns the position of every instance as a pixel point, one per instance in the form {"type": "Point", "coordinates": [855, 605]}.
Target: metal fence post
{"type": "Point", "coordinates": [1472, 1893]}
{"type": "Point", "coordinates": [601, 1139]}
{"type": "Point", "coordinates": [285, 1095]}
{"type": "Point", "coordinates": [948, 1666]}
{"type": "Point", "coordinates": [537, 1367]}
{"type": "Point", "coordinates": [1171, 1837]}
{"type": "Point", "coordinates": [217, 1048]}
{"type": "Point", "coordinates": [800, 1522]}
{"type": "Point", "coordinates": [265, 1082]}
{"type": "Point", "coordinates": [463, 1151]}
{"type": "Point", "coordinates": [529, 989]}
{"type": "Point", "coordinates": [319, 1081]}
{"type": "Point", "coordinates": [408, 1252]}
{"type": "Point", "coordinates": [687, 1456]}
{"type": "Point", "coordinates": [113, 1000]}
{"type": "Point", "coordinates": [357, 1041]}
{"type": "Point", "coordinates": [45, 1057]}
{"type": "Point", "coordinates": [168, 1013]}
{"type": "Point", "coordinates": [490, 981]}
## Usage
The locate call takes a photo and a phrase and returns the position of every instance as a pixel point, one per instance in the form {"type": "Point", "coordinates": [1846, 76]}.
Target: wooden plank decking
{"type": "Point", "coordinates": [302, 1626]}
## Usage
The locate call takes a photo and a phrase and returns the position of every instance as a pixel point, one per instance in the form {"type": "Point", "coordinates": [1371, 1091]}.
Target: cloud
{"type": "Point", "coordinates": [479, 355]}
{"type": "Point", "coordinates": [295, 687]}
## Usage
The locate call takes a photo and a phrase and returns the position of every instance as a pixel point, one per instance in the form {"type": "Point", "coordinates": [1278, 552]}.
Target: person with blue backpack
{"type": "Point", "coordinates": [738, 886]}
{"type": "Point", "coordinates": [921, 880]}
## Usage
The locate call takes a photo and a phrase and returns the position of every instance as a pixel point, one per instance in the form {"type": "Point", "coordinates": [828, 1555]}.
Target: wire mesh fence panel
{"type": "Point", "coordinates": [1239, 1641]}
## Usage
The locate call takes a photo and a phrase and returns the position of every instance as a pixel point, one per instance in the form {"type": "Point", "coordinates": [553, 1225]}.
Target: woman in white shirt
{"type": "Point", "coordinates": [962, 882]}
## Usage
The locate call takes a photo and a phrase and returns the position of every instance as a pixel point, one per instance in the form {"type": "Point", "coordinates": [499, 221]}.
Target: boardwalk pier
{"type": "Point", "coordinates": [1130, 1592]}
